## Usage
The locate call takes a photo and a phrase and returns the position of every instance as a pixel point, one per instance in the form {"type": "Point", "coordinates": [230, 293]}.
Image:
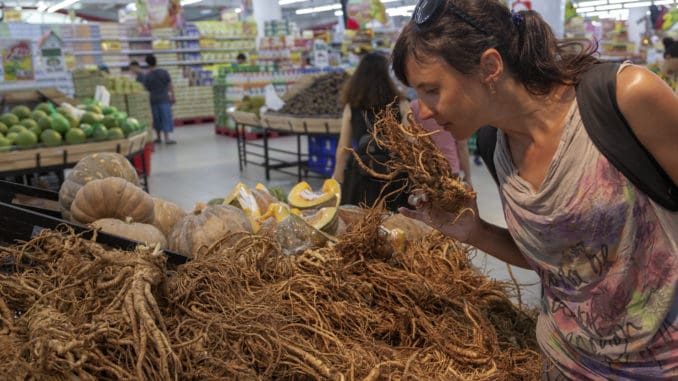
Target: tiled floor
{"type": "Point", "coordinates": [204, 165]}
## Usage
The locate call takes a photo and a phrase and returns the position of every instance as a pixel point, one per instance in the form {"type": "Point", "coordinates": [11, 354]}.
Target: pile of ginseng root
{"type": "Point", "coordinates": [414, 153]}
{"type": "Point", "coordinates": [241, 310]}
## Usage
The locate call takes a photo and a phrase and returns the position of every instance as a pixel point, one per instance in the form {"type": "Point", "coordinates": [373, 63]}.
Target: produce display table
{"type": "Point", "coordinates": [56, 159]}
{"type": "Point", "coordinates": [277, 158]}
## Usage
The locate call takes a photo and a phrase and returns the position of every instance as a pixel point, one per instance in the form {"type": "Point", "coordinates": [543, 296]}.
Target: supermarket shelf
{"type": "Point", "coordinates": [184, 38]}
{"type": "Point", "coordinates": [182, 50]}
{"type": "Point", "coordinates": [92, 39]}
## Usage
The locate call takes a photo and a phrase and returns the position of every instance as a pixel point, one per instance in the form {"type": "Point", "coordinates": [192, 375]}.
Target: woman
{"type": "Point", "coordinates": [369, 90]}
{"type": "Point", "coordinates": [606, 254]}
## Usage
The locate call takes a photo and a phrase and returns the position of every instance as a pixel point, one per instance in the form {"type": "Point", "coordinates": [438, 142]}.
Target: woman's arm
{"type": "Point", "coordinates": [341, 156]}
{"type": "Point", "coordinates": [651, 109]}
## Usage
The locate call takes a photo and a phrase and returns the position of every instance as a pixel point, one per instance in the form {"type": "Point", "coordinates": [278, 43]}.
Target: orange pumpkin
{"type": "Point", "coordinates": [94, 167]}
{"type": "Point", "coordinates": [112, 197]}
{"type": "Point", "coordinates": [206, 225]}
{"type": "Point", "coordinates": [145, 233]}
{"type": "Point", "coordinates": [166, 214]}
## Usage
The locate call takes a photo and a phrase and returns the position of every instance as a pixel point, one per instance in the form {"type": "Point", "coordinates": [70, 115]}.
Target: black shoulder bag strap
{"type": "Point", "coordinates": [611, 134]}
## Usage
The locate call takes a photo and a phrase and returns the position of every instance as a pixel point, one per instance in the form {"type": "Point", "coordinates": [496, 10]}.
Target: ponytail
{"type": "Point", "coordinates": [539, 60]}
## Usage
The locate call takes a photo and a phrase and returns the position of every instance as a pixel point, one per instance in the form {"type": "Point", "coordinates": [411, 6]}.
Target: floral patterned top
{"type": "Point", "coordinates": [608, 259]}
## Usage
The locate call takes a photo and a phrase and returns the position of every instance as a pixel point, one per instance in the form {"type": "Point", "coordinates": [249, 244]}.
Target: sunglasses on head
{"type": "Point", "coordinates": [427, 10]}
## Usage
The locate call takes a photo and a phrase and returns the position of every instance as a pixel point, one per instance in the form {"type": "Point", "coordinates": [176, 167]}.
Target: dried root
{"type": "Point", "coordinates": [415, 154]}
{"type": "Point", "coordinates": [244, 310]}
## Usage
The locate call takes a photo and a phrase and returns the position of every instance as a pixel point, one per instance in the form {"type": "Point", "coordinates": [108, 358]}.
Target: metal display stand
{"type": "Point", "coordinates": [279, 159]}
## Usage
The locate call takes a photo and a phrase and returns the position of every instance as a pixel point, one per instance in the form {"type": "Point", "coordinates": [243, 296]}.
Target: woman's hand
{"type": "Point", "coordinates": [462, 227]}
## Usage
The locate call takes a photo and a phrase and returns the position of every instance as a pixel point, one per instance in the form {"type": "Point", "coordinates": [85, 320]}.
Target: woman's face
{"type": "Point", "coordinates": [452, 99]}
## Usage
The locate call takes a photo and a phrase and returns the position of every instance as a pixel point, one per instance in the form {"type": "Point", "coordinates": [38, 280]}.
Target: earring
{"type": "Point", "coordinates": [493, 90]}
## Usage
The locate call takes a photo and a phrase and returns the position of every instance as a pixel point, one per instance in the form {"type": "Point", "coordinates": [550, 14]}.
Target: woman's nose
{"type": "Point", "coordinates": [424, 111]}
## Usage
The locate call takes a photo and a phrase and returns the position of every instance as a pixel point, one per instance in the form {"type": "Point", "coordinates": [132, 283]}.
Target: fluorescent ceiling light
{"type": "Point", "coordinates": [591, 3]}
{"type": "Point", "coordinates": [61, 5]}
{"type": "Point", "coordinates": [619, 1]}
{"type": "Point", "coordinates": [323, 8]}
{"type": "Point", "coordinates": [338, 13]}
{"type": "Point", "coordinates": [189, 2]}
{"type": "Point", "coordinates": [608, 7]}
{"type": "Point", "coordinates": [400, 11]}
{"type": "Point", "coordinates": [664, 2]}
{"type": "Point", "coordinates": [638, 4]}
{"type": "Point", "coordinates": [586, 9]}
{"type": "Point", "coordinates": [132, 7]}
{"type": "Point", "coordinates": [237, 10]}
{"type": "Point", "coordinates": [42, 6]}
{"type": "Point", "coordinates": [286, 2]}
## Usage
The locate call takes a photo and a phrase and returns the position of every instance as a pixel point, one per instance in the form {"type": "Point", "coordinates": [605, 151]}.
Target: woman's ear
{"type": "Point", "coordinates": [491, 66]}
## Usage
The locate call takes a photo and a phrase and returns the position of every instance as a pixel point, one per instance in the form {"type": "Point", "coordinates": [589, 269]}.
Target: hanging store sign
{"type": "Point", "coordinates": [155, 14]}
{"type": "Point", "coordinates": [17, 60]}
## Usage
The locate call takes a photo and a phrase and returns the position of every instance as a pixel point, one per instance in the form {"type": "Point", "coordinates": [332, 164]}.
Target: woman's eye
{"type": "Point", "coordinates": [431, 91]}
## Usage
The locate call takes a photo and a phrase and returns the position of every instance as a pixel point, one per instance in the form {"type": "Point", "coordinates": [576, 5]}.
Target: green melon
{"type": "Point", "coordinates": [93, 108]}
{"type": "Point", "coordinates": [109, 122]}
{"type": "Point", "coordinates": [26, 140]}
{"type": "Point", "coordinates": [115, 133]}
{"type": "Point", "coordinates": [37, 114]}
{"type": "Point", "coordinates": [9, 119]}
{"type": "Point", "coordinates": [87, 128]}
{"type": "Point", "coordinates": [60, 124]}
{"type": "Point", "coordinates": [100, 132]}
{"type": "Point", "coordinates": [131, 125]}
{"type": "Point", "coordinates": [44, 107]}
{"type": "Point", "coordinates": [109, 110]}
{"type": "Point", "coordinates": [90, 118]}
{"type": "Point", "coordinates": [4, 142]}
{"type": "Point", "coordinates": [29, 123]}
{"type": "Point", "coordinates": [72, 120]}
{"type": "Point", "coordinates": [51, 138]}
{"type": "Point", "coordinates": [11, 136]}
{"type": "Point", "coordinates": [22, 112]}
{"type": "Point", "coordinates": [3, 128]}
{"type": "Point", "coordinates": [75, 136]}
{"type": "Point", "coordinates": [36, 130]}
{"type": "Point", "coordinates": [45, 123]}
{"type": "Point", "coordinates": [17, 128]}
{"type": "Point", "coordinates": [63, 111]}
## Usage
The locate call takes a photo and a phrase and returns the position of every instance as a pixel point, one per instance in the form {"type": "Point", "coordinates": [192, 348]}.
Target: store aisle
{"type": "Point", "coordinates": [204, 165]}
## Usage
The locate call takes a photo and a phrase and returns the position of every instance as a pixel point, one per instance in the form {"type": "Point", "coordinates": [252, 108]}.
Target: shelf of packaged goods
{"type": "Point", "coordinates": [75, 40]}
{"type": "Point", "coordinates": [182, 50]}
{"type": "Point", "coordinates": [185, 38]}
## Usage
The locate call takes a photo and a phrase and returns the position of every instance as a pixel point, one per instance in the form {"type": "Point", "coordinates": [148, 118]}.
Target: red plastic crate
{"type": "Point", "coordinates": [148, 149]}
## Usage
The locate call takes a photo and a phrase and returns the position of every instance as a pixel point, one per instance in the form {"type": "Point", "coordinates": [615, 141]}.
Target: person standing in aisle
{"type": "Point", "coordinates": [135, 68]}
{"type": "Point", "coordinates": [455, 151]}
{"type": "Point", "coordinates": [606, 252]}
{"type": "Point", "coordinates": [159, 85]}
{"type": "Point", "coordinates": [368, 91]}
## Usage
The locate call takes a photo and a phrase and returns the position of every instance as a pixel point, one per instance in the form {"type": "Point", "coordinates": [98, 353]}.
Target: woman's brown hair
{"type": "Point", "coordinates": [525, 41]}
{"type": "Point", "coordinates": [370, 87]}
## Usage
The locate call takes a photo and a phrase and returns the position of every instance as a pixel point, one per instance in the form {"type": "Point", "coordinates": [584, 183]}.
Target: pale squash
{"type": "Point", "coordinates": [144, 233]}
{"type": "Point", "coordinates": [302, 195]}
{"type": "Point", "coordinates": [94, 167]}
{"type": "Point", "coordinates": [165, 215]}
{"type": "Point", "coordinates": [206, 225]}
{"type": "Point", "coordinates": [263, 196]}
{"type": "Point", "coordinates": [112, 197]}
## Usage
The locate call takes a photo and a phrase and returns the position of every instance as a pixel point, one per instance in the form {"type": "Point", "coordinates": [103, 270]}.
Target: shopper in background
{"type": "Point", "coordinates": [606, 254]}
{"type": "Point", "coordinates": [368, 91]}
{"type": "Point", "coordinates": [669, 68]}
{"type": "Point", "coordinates": [455, 151]}
{"type": "Point", "coordinates": [159, 84]}
{"type": "Point", "coordinates": [104, 68]}
{"type": "Point", "coordinates": [241, 59]}
{"type": "Point", "coordinates": [135, 68]}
